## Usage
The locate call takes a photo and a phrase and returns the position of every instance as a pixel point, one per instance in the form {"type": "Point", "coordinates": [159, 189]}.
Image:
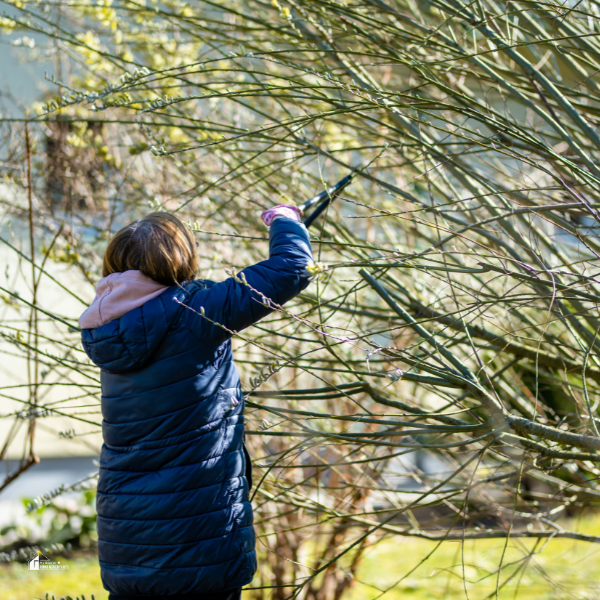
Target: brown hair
{"type": "Point", "coordinates": [159, 245]}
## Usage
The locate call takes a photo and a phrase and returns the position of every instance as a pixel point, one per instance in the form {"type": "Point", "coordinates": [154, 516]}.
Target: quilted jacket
{"type": "Point", "coordinates": [173, 510]}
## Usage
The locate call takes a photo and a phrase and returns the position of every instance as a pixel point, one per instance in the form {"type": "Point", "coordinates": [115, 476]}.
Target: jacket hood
{"type": "Point", "coordinates": [127, 342]}
{"type": "Point", "coordinates": [116, 295]}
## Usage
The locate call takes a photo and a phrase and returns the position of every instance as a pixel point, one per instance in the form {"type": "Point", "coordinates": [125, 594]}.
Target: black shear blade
{"type": "Point", "coordinates": [324, 199]}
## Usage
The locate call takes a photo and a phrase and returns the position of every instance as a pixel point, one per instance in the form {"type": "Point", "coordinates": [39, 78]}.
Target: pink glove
{"type": "Point", "coordinates": [281, 210]}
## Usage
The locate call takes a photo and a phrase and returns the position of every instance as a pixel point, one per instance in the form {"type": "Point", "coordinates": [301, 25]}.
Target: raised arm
{"type": "Point", "coordinates": [235, 304]}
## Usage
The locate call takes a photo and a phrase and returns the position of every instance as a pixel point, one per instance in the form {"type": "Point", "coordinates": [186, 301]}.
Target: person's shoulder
{"type": "Point", "coordinates": [182, 293]}
{"type": "Point", "coordinates": [196, 288]}
{"type": "Point", "coordinates": [193, 285]}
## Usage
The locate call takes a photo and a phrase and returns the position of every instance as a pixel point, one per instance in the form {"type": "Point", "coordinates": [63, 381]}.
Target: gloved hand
{"type": "Point", "coordinates": [281, 210]}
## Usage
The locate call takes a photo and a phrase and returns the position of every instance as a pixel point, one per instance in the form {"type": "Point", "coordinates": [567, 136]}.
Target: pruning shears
{"type": "Point", "coordinates": [325, 198]}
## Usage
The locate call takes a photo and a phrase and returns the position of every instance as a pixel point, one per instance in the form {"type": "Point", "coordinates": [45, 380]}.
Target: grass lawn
{"type": "Point", "coordinates": [17, 582]}
{"type": "Point", "coordinates": [560, 569]}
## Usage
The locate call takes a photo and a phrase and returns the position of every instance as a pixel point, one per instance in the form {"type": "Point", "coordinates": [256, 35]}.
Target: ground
{"type": "Point", "coordinates": [561, 568]}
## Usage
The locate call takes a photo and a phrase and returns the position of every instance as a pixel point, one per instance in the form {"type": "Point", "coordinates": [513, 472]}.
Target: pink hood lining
{"type": "Point", "coordinates": [116, 295]}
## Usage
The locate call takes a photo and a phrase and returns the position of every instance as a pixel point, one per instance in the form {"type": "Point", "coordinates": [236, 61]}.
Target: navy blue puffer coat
{"type": "Point", "coordinates": [173, 509]}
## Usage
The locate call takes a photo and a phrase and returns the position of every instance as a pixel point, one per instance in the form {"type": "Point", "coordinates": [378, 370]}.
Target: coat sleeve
{"type": "Point", "coordinates": [235, 305]}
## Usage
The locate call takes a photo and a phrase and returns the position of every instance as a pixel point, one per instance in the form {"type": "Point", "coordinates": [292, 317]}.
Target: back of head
{"type": "Point", "coordinates": [159, 245]}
